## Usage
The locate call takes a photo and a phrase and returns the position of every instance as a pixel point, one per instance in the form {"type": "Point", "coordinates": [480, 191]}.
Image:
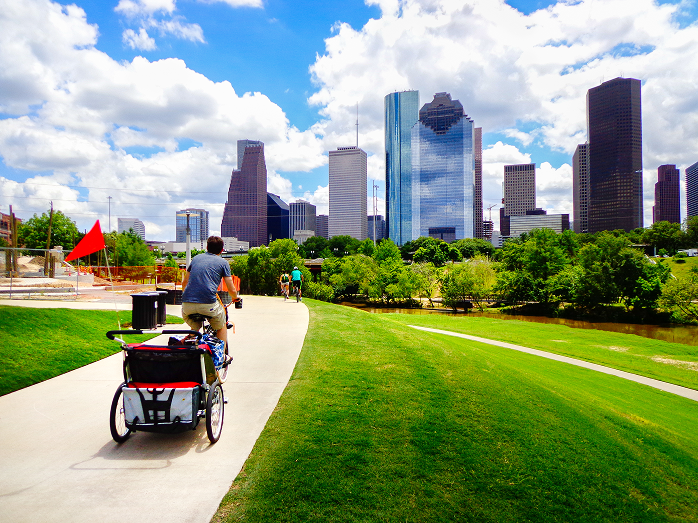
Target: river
{"type": "Point", "coordinates": [687, 335]}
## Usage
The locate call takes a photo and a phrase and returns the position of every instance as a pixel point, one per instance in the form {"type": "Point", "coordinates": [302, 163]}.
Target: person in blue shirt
{"type": "Point", "coordinates": [200, 285]}
{"type": "Point", "coordinates": [297, 281]}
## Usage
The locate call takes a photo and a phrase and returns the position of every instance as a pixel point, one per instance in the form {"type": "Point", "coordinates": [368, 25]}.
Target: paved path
{"type": "Point", "coordinates": [661, 385]}
{"type": "Point", "coordinates": [58, 462]}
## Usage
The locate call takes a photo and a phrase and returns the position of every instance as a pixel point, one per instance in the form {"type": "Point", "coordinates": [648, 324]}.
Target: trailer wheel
{"type": "Point", "coordinates": [215, 409]}
{"type": "Point", "coordinates": [117, 421]}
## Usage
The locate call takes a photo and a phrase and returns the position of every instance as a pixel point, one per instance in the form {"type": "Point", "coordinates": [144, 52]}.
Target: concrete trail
{"type": "Point", "coordinates": [59, 463]}
{"type": "Point", "coordinates": [661, 385]}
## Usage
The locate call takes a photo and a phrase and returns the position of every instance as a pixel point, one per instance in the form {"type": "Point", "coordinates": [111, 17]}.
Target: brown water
{"type": "Point", "coordinates": [687, 335]}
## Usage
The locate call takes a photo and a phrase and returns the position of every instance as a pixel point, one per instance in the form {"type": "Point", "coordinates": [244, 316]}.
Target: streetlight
{"type": "Point", "coordinates": [188, 258]}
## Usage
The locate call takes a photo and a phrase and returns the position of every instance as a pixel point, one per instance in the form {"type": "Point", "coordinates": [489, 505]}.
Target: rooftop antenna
{"type": "Point", "coordinates": [357, 125]}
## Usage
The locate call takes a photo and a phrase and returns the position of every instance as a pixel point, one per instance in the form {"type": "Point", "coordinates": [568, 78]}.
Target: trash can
{"type": "Point", "coordinates": [144, 311]}
{"type": "Point", "coordinates": [162, 307]}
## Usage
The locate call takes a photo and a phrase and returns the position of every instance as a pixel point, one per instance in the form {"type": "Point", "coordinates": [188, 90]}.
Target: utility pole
{"type": "Point", "coordinates": [188, 258]}
{"type": "Point", "coordinates": [109, 198]}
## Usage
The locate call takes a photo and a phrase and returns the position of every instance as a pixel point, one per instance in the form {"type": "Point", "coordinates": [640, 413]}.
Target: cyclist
{"type": "Point", "coordinates": [200, 284]}
{"type": "Point", "coordinates": [283, 281]}
{"type": "Point", "coordinates": [297, 281]}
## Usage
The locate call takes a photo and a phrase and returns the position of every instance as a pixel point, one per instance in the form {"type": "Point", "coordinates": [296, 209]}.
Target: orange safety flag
{"type": "Point", "coordinates": [93, 241]}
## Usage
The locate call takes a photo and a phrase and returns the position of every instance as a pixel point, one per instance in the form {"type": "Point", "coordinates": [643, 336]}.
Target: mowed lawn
{"type": "Point", "coordinates": [38, 344]}
{"type": "Point", "coordinates": [671, 362]}
{"type": "Point", "coordinates": [381, 422]}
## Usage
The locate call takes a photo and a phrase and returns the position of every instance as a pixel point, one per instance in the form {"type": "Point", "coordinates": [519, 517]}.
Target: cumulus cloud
{"type": "Point", "coordinates": [523, 76]}
{"type": "Point", "coordinates": [156, 136]}
{"type": "Point", "coordinates": [139, 40]}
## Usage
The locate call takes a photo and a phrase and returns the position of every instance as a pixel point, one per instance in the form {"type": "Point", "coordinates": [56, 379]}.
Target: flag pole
{"type": "Point", "coordinates": [111, 280]}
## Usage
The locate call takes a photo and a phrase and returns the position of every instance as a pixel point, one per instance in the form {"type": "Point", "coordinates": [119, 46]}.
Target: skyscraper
{"type": "Point", "coordinates": [302, 217]}
{"type": "Point", "coordinates": [245, 213]}
{"type": "Point", "coordinates": [580, 188]}
{"type": "Point", "coordinates": [348, 192]}
{"type": "Point", "coordinates": [125, 224]}
{"type": "Point", "coordinates": [692, 190]}
{"type": "Point", "coordinates": [198, 226]}
{"type": "Point", "coordinates": [667, 201]}
{"type": "Point", "coordinates": [443, 170]}
{"type": "Point", "coordinates": [277, 217]}
{"type": "Point", "coordinates": [477, 200]}
{"type": "Point", "coordinates": [518, 193]}
{"type": "Point", "coordinates": [615, 155]}
{"type": "Point", "coordinates": [401, 113]}
{"type": "Point", "coordinates": [322, 226]}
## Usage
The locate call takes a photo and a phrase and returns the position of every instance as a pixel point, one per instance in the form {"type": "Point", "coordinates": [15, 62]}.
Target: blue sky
{"type": "Point", "coordinates": [143, 100]}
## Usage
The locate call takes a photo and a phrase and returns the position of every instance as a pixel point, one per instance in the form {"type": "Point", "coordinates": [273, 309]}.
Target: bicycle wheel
{"type": "Point", "coordinates": [297, 292]}
{"type": "Point", "coordinates": [215, 409]}
{"type": "Point", "coordinates": [117, 421]}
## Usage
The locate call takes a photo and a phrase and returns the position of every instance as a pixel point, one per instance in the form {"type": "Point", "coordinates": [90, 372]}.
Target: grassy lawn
{"type": "Point", "coordinates": [671, 362]}
{"type": "Point", "coordinates": [680, 270]}
{"type": "Point", "coordinates": [381, 422]}
{"type": "Point", "coordinates": [38, 344]}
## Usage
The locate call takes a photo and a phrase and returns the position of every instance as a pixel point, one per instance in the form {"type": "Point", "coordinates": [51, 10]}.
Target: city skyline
{"type": "Point", "coordinates": [143, 101]}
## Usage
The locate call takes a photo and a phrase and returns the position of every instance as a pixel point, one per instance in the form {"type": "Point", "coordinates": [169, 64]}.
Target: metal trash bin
{"type": "Point", "coordinates": [162, 307]}
{"type": "Point", "coordinates": [144, 311]}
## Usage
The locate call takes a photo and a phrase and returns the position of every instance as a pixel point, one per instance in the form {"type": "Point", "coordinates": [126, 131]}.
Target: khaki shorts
{"type": "Point", "coordinates": [214, 310]}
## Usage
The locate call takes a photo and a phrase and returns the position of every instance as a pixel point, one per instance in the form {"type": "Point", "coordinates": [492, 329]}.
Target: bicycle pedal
{"type": "Point", "coordinates": [225, 400]}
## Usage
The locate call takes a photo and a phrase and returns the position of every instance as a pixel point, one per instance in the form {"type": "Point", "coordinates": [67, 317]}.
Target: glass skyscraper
{"type": "Point", "coordinates": [443, 170]}
{"type": "Point", "coordinates": [401, 113]}
{"type": "Point", "coordinates": [198, 226]}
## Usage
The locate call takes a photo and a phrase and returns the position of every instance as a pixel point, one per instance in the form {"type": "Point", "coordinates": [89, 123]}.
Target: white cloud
{"type": "Point", "coordinates": [510, 70]}
{"type": "Point", "coordinates": [235, 3]}
{"type": "Point", "coordinates": [78, 114]}
{"type": "Point", "coordinates": [320, 198]}
{"type": "Point", "coordinates": [145, 7]}
{"type": "Point", "coordinates": [179, 29]}
{"type": "Point", "coordinates": [139, 40]}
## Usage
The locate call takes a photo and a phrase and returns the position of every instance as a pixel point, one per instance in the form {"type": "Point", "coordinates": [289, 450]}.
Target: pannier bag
{"type": "Point", "coordinates": [145, 407]}
{"type": "Point", "coordinates": [217, 347]}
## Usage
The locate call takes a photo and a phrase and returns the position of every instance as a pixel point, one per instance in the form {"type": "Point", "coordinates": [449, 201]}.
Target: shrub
{"type": "Point", "coordinates": [319, 291]}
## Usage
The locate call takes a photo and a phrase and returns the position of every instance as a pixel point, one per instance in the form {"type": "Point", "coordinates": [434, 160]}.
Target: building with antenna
{"type": "Point", "coordinates": [348, 193]}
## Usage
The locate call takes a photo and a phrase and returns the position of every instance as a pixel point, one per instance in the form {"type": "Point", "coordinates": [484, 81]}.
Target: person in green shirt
{"type": "Point", "coordinates": [284, 279]}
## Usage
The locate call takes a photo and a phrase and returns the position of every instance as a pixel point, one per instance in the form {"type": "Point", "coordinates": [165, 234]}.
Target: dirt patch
{"type": "Point", "coordinates": [614, 348]}
{"type": "Point", "coordinates": [560, 341]}
{"type": "Point", "coordinates": [690, 365]}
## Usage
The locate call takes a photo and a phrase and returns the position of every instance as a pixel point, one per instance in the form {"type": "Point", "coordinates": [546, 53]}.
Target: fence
{"type": "Point", "coordinates": [27, 272]}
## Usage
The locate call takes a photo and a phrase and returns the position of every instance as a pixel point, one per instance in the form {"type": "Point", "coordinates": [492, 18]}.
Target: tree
{"type": "Point", "coordinates": [426, 280]}
{"type": "Point", "coordinates": [680, 296]}
{"type": "Point", "coordinates": [33, 233]}
{"type": "Point", "coordinates": [690, 228]}
{"type": "Point", "coordinates": [471, 247]}
{"type": "Point", "coordinates": [283, 246]}
{"type": "Point", "coordinates": [343, 245]}
{"type": "Point", "coordinates": [664, 235]}
{"type": "Point", "coordinates": [313, 247]}
{"type": "Point", "coordinates": [386, 250]}
{"type": "Point", "coordinates": [366, 247]}
{"type": "Point", "coordinates": [131, 250]}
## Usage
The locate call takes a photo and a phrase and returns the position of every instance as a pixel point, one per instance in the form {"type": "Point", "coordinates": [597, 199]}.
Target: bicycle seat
{"type": "Point", "coordinates": [199, 317]}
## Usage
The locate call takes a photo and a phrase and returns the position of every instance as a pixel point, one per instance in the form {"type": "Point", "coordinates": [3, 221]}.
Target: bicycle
{"type": "Point", "coordinates": [297, 292]}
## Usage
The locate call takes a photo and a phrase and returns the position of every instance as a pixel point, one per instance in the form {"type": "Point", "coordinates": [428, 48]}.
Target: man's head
{"type": "Point", "coordinates": [295, 268]}
{"type": "Point", "coordinates": [214, 245]}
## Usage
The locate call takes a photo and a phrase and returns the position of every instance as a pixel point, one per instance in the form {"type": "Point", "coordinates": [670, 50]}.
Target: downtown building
{"type": "Point", "coordinates": [322, 227]}
{"type": "Point", "coordinates": [348, 193]}
{"type": "Point", "coordinates": [518, 194]}
{"type": "Point", "coordinates": [198, 226]}
{"type": "Point", "coordinates": [667, 200]}
{"type": "Point", "coordinates": [692, 190]}
{"type": "Point", "coordinates": [443, 171]}
{"type": "Point", "coordinates": [580, 188]}
{"type": "Point", "coordinates": [245, 212]}
{"type": "Point", "coordinates": [277, 217]}
{"type": "Point", "coordinates": [375, 223]}
{"type": "Point", "coordinates": [401, 114]}
{"type": "Point", "coordinates": [302, 220]}
{"type": "Point", "coordinates": [127, 224]}
{"type": "Point", "coordinates": [615, 155]}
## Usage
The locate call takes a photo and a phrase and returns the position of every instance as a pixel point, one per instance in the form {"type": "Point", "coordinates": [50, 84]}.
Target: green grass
{"type": "Point", "coordinates": [673, 362]}
{"type": "Point", "coordinates": [38, 344]}
{"type": "Point", "coordinates": [678, 269]}
{"type": "Point", "coordinates": [381, 422]}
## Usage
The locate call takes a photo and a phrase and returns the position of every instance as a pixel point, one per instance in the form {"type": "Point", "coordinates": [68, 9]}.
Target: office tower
{"type": "Point", "coordinates": [443, 170]}
{"type": "Point", "coordinates": [667, 201]}
{"type": "Point", "coordinates": [401, 113]}
{"type": "Point", "coordinates": [692, 190]}
{"type": "Point", "coordinates": [615, 155]}
{"type": "Point", "coordinates": [580, 188]}
{"type": "Point", "coordinates": [379, 227]}
{"type": "Point", "coordinates": [518, 193]}
{"type": "Point", "coordinates": [538, 220]}
{"type": "Point", "coordinates": [348, 192]}
{"type": "Point", "coordinates": [277, 217]}
{"type": "Point", "coordinates": [245, 213]}
{"type": "Point", "coordinates": [477, 199]}
{"type": "Point", "coordinates": [126, 224]}
{"type": "Point", "coordinates": [198, 226]}
{"type": "Point", "coordinates": [302, 217]}
{"type": "Point", "coordinates": [322, 226]}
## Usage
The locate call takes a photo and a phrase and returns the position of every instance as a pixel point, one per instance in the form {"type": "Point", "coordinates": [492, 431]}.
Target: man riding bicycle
{"type": "Point", "coordinates": [200, 284]}
{"type": "Point", "coordinates": [297, 281]}
{"type": "Point", "coordinates": [284, 279]}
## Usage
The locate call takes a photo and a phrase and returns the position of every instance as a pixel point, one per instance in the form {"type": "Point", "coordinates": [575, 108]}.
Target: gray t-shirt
{"type": "Point", "coordinates": [206, 271]}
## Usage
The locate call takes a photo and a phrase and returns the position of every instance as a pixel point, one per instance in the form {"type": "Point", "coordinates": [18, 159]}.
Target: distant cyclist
{"type": "Point", "coordinates": [284, 279]}
{"type": "Point", "coordinates": [297, 281]}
